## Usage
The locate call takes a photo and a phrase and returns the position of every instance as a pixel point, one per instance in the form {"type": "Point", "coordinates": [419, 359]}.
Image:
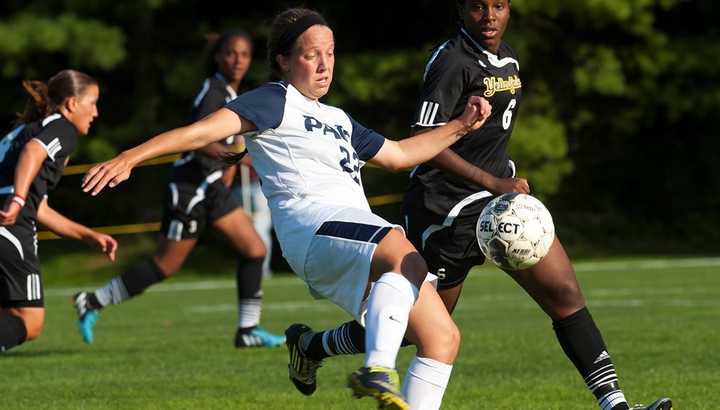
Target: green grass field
{"type": "Point", "coordinates": [172, 347]}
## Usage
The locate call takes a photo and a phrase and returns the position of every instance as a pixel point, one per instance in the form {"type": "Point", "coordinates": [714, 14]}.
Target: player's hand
{"type": "Point", "coordinates": [477, 111]}
{"type": "Point", "coordinates": [10, 212]}
{"type": "Point", "coordinates": [109, 173]}
{"type": "Point", "coordinates": [507, 185]}
{"type": "Point", "coordinates": [105, 243]}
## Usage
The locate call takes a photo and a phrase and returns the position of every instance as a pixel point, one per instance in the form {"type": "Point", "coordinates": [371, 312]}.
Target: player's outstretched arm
{"type": "Point", "coordinates": [67, 228]}
{"type": "Point", "coordinates": [397, 155]}
{"type": "Point", "coordinates": [453, 163]}
{"type": "Point", "coordinates": [194, 136]}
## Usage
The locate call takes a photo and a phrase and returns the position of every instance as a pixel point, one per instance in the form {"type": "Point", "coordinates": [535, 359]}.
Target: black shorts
{"type": "Point", "coordinates": [450, 247]}
{"type": "Point", "coordinates": [20, 279]}
{"type": "Point", "coordinates": [194, 200]}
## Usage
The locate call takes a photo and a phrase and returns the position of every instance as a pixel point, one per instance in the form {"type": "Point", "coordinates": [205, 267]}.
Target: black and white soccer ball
{"type": "Point", "coordinates": [515, 231]}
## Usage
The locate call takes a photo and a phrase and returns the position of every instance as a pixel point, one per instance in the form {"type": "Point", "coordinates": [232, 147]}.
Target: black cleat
{"type": "Point", "coordinates": [257, 337]}
{"type": "Point", "coordinates": [301, 369]}
{"type": "Point", "coordinates": [660, 404]}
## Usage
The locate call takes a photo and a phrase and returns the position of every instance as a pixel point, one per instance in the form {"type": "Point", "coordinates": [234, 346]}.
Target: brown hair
{"type": "Point", "coordinates": [281, 25]}
{"type": "Point", "coordinates": [45, 99]}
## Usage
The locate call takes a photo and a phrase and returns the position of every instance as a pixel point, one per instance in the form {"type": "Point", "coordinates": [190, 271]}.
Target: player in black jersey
{"type": "Point", "coordinates": [32, 160]}
{"type": "Point", "coordinates": [447, 194]}
{"type": "Point", "coordinates": [198, 195]}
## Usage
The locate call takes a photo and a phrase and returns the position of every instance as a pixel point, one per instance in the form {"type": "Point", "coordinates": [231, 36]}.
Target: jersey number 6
{"type": "Point", "coordinates": [507, 115]}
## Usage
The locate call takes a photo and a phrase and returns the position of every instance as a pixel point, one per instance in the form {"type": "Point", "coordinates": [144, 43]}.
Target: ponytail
{"type": "Point", "coordinates": [38, 102]}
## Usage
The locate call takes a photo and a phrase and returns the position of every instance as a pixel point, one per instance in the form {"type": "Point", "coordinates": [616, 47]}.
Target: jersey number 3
{"type": "Point", "coordinates": [507, 115]}
{"type": "Point", "coordinates": [350, 164]}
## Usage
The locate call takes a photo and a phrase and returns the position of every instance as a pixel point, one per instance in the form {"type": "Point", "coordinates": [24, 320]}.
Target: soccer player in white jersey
{"type": "Point", "coordinates": [308, 156]}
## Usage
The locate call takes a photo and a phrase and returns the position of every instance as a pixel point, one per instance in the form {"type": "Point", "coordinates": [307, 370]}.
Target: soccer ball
{"type": "Point", "coordinates": [515, 231]}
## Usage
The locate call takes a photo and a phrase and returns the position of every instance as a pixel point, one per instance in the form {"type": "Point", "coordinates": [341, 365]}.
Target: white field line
{"type": "Point", "coordinates": [462, 307]}
{"type": "Point", "coordinates": [609, 266]}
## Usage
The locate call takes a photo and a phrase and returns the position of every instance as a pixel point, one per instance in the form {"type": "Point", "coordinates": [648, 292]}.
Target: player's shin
{"type": "Point", "coordinates": [389, 304]}
{"type": "Point", "coordinates": [12, 331]}
{"type": "Point", "coordinates": [249, 279]}
{"type": "Point", "coordinates": [425, 383]}
{"type": "Point", "coordinates": [581, 340]}
{"type": "Point", "coordinates": [131, 283]}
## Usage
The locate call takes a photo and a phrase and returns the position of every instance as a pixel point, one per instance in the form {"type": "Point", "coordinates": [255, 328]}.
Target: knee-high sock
{"type": "Point", "coordinates": [12, 332]}
{"type": "Point", "coordinates": [131, 283]}
{"type": "Point", "coordinates": [389, 304]}
{"type": "Point", "coordinates": [346, 339]}
{"type": "Point", "coordinates": [584, 346]}
{"type": "Point", "coordinates": [425, 382]}
{"type": "Point", "coordinates": [249, 281]}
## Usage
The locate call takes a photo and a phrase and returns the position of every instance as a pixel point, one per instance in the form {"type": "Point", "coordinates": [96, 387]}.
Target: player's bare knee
{"type": "Point", "coordinates": [444, 345]}
{"type": "Point", "coordinates": [33, 328]}
{"type": "Point", "coordinates": [414, 268]}
{"type": "Point", "coordinates": [255, 252]}
{"type": "Point", "coordinates": [567, 297]}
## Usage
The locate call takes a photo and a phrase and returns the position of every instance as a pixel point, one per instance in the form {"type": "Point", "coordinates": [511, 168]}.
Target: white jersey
{"type": "Point", "coordinates": [308, 156]}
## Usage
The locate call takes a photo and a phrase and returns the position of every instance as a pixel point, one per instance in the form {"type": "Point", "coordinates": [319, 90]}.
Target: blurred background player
{"type": "Point", "coordinates": [198, 195]}
{"type": "Point", "coordinates": [447, 194]}
{"type": "Point", "coordinates": [308, 155]}
{"type": "Point", "coordinates": [32, 159]}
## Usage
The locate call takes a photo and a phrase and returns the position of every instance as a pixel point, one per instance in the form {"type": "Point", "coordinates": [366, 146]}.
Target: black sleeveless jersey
{"type": "Point", "coordinates": [59, 137]}
{"type": "Point", "coordinates": [213, 95]}
{"type": "Point", "coordinates": [458, 69]}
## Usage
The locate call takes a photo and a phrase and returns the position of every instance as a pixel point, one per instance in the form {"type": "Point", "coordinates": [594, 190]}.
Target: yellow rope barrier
{"type": "Point", "coordinates": [79, 169]}
{"type": "Point", "coordinates": [379, 200]}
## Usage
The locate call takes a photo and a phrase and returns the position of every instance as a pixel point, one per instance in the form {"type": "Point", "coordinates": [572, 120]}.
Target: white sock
{"type": "Point", "coordinates": [114, 292]}
{"type": "Point", "coordinates": [249, 312]}
{"type": "Point", "coordinates": [612, 399]}
{"type": "Point", "coordinates": [389, 304]}
{"type": "Point", "coordinates": [425, 383]}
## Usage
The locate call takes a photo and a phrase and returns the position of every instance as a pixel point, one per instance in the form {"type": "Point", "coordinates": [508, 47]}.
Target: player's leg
{"type": "Point", "coordinates": [22, 311]}
{"type": "Point", "coordinates": [19, 325]}
{"type": "Point", "coordinates": [240, 232]}
{"type": "Point", "coordinates": [184, 218]}
{"type": "Point", "coordinates": [446, 254]}
{"type": "Point", "coordinates": [402, 300]}
{"type": "Point", "coordinates": [168, 259]}
{"type": "Point", "coordinates": [553, 285]}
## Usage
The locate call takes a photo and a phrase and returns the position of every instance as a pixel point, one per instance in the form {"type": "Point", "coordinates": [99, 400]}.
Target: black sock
{"type": "Point", "coordinates": [348, 338]}
{"type": "Point", "coordinates": [12, 332]}
{"type": "Point", "coordinates": [249, 293]}
{"type": "Point", "coordinates": [131, 283]}
{"type": "Point", "coordinates": [581, 340]}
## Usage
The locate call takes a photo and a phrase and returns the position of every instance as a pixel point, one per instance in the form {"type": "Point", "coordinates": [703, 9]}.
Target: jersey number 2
{"type": "Point", "coordinates": [350, 164]}
{"type": "Point", "coordinates": [507, 115]}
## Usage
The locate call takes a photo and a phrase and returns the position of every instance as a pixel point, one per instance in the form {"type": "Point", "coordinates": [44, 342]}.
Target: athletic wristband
{"type": "Point", "coordinates": [20, 200]}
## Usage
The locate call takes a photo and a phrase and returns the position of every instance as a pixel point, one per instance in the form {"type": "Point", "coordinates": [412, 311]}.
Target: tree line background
{"type": "Point", "coordinates": [618, 132]}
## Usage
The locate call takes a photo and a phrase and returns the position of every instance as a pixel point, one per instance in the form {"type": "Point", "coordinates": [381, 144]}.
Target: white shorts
{"type": "Point", "coordinates": [337, 265]}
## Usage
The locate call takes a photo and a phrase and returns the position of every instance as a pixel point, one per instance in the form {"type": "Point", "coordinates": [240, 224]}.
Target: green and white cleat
{"type": "Point", "coordinates": [381, 383]}
{"type": "Point", "coordinates": [660, 404]}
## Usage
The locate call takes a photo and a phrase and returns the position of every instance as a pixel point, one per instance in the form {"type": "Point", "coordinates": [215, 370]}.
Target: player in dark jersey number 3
{"type": "Point", "coordinates": [447, 194]}
{"type": "Point", "coordinates": [32, 160]}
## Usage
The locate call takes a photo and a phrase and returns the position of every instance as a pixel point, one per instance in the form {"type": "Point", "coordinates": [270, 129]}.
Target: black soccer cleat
{"type": "Point", "coordinates": [257, 337]}
{"type": "Point", "coordinates": [660, 404]}
{"type": "Point", "coordinates": [302, 370]}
